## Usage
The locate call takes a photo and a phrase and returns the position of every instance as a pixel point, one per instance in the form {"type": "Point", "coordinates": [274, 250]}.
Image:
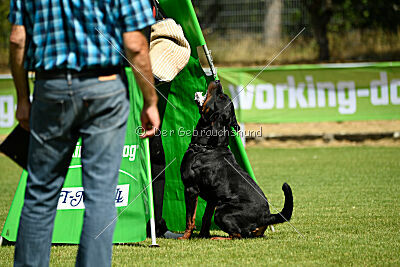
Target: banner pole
{"type": "Point", "coordinates": [150, 194]}
{"type": "Point", "coordinates": [243, 155]}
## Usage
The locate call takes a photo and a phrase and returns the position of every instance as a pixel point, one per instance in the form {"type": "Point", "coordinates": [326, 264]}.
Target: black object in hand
{"type": "Point", "coordinates": [16, 146]}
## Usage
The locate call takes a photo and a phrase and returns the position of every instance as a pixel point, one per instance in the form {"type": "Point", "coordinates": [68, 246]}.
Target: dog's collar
{"type": "Point", "coordinates": [203, 146]}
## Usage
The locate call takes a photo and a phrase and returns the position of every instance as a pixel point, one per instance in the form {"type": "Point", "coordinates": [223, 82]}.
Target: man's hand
{"type": "Point", "coordinates": [20, 76]}
{"type": "Point", "coordinates": [150, 120]}
{"type": "Point", "coordinates": [137, 51]}
{"type": "Point", "coordinates": [22, 114]}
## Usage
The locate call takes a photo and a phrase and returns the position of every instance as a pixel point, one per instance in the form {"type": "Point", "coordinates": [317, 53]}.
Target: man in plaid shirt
{"type": "Point", "coordinates": [74, 48]}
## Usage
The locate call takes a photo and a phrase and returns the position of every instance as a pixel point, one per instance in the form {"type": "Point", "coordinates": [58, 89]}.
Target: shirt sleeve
{"type": "Point", "coordinates": [15, 16]}
{"type": "Point", "coordinates": [136, 15]}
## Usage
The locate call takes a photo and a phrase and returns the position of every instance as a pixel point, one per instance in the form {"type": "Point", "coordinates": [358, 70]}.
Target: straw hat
{"type": "Point", "coordinates": [169, 50]}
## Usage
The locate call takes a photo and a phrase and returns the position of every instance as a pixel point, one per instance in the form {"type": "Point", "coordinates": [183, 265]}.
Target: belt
{"type": "Point", "coordinates": [85, 73]}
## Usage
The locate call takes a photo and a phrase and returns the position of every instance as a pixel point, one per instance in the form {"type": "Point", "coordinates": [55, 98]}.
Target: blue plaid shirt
{"type": "Point", "coordinates": [67, 34]}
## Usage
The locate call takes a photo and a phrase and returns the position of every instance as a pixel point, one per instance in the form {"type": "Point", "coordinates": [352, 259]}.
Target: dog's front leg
{"type": "Point", "coordinates": [206, 223]}
{"type": "Point", "coordinates": [191, 208]}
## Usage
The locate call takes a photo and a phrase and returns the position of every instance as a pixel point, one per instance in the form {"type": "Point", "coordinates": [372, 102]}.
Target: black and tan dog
{"type": "Point", "coordinates": [209, 170]}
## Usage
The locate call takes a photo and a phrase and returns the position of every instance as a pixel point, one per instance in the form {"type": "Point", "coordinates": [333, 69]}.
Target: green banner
{"type": "Point", "coordinates": [131, 196]}
{"type": "Point", "coordinates": [312, 93]}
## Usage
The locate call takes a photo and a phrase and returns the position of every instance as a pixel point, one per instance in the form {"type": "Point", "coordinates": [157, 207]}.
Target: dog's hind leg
{"type": "Point", "coordinates": [206, 223]}
{"type": "Point", "coordinates": [191, 208]}
{"type": "Point", "coordinates": [229, 222]}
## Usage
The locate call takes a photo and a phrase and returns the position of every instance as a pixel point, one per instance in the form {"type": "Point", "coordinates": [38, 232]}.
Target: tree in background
{"type": "Point", "coordinates": [321, 12]}
{"type": "Point", "coordinates": [273, 22]}
{"type": "Point", "coordinates": [367, 14]}
{"type": "Point", "coordinates": [354, 14]}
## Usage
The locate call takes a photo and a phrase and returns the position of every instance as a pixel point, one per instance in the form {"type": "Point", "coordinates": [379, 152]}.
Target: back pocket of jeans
{"type": "Point", "coordinates": [107, 111]}
{"type": "Point", "coordinates": [47, 118]}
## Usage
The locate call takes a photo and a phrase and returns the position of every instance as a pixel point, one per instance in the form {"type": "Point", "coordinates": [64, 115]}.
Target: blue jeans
{"type": "Point", "coordinates": [62, 111]}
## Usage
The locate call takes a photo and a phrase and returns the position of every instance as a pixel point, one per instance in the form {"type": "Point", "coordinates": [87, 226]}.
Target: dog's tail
{"type": "Point", "coordinates": [287, 210]}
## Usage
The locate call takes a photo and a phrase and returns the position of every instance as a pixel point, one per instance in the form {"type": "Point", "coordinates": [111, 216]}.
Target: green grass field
{"type": "Point", "coordinates": [346, 206]}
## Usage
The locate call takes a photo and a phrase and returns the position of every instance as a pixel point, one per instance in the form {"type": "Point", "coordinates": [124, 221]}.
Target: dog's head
{"type": "Point", "coordinates": [216, 107]}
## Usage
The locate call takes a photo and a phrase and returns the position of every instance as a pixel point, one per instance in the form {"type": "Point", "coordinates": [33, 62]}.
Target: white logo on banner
{"type": "Point", "coordinates": [128, 152]}
{"type": "Point", "coordinates": [7, 110]}
{"type": "Point", "coordinates": [71, 198]}
{"type": "Point", "coordinates": [314, 94]}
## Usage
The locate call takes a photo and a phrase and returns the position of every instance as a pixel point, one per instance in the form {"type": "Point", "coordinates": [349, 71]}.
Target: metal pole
{"type": "Point", "coordinates": [150, 194]}
{"type": "Point", "coordinates": [210, 61]}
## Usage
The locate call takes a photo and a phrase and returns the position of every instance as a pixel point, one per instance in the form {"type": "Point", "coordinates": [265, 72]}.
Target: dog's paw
{"type": "Point", "coordinates": [185, 236]}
